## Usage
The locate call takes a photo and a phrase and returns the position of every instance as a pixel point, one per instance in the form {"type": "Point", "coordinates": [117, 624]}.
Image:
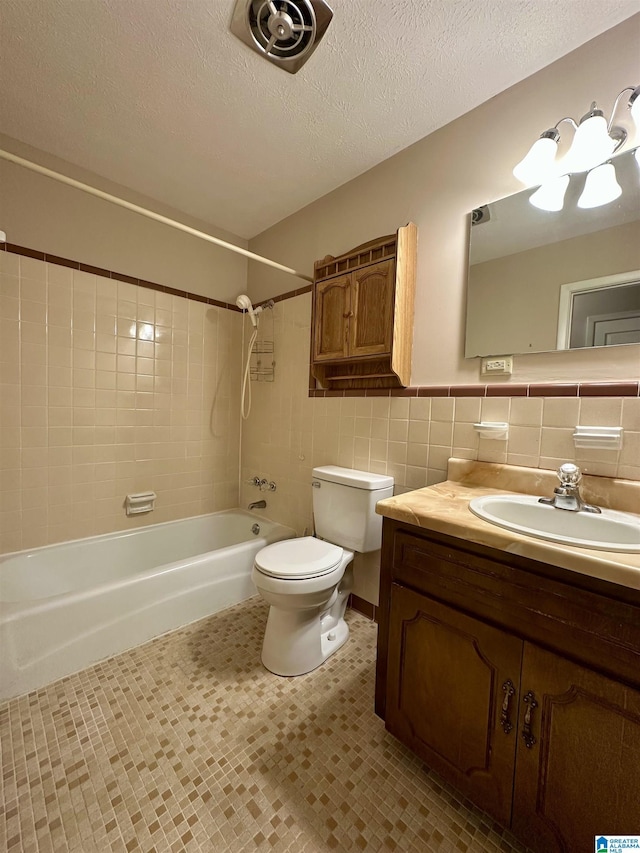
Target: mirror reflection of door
{"type": "Point", "coordinates": [599, 312]}
{"type": "Point", "coordinates": [606, 330]}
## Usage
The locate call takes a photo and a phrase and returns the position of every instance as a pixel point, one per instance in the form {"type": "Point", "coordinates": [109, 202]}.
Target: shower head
{"type": "Point", "coordinates": [244, 304]}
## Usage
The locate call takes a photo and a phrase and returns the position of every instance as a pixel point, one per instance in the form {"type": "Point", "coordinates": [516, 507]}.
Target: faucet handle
{"type": "Point", "coordinates": [569, 474]}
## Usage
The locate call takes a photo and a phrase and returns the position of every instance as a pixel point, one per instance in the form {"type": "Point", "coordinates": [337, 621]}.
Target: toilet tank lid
{"type": "Point", "coordinates": [352, 477]}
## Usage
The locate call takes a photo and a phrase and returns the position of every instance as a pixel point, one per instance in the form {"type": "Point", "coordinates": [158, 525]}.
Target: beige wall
{"type": "Point", "coordinates": [48, 216]}
{"type": "Point", "coordinates": [515, 299]}
{"type": "Point", "coordinates": [109, 388]}
{"type": "Point", "coordinates": [436, 183]}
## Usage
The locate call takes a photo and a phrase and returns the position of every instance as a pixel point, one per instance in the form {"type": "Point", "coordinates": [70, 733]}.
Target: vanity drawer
{"type": "Point", "coordinates": [595, 623]}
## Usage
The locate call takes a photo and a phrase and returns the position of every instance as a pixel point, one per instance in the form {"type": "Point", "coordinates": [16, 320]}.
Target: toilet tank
{"type": "Point", "coordinates": [344, 506]}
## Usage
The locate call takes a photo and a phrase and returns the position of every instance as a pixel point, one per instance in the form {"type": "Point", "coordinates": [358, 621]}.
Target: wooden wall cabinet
{"type": "Point", "coordinates": [517, 685]}
{"type": "Point", "coordinates": [362, 327]}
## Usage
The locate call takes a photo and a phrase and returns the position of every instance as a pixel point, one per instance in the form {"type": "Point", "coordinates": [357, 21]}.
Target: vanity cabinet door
{"type": "Point", "coordinates": [453, 686]}
{"type": "Point", "coordinates": [580, 776]}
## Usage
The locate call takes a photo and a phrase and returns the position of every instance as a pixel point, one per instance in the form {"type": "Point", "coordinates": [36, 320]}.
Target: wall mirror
{"type": "Point", "coordinates": [542, 281]}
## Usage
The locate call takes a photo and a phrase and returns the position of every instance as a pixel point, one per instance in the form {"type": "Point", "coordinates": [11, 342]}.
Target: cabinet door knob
{"type": "Point", "coordinates": [505, 718]}
{"type": "Point", "coordinates": [348, 314]}
{"type": "Point", "coordinates": [527, 734]}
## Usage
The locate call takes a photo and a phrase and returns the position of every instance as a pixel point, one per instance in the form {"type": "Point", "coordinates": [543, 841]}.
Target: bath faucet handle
{"type": "Point", "coordinates": [569, 474]}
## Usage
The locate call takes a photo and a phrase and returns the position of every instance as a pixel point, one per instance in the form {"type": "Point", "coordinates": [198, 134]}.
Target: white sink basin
{"type": "Point", "coordinates": [605, 531]}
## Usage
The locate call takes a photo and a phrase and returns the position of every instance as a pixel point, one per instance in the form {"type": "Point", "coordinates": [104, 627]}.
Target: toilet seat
{"type": "Point", "coordinates": [298, 559]}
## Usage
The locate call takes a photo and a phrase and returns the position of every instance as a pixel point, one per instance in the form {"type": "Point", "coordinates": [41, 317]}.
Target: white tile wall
{"type": "Point", "coordinates": [108, 388]}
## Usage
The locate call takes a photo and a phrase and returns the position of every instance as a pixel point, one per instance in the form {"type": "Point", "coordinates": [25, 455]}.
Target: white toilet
{"type": "Point", "coordinates": [307, 581]}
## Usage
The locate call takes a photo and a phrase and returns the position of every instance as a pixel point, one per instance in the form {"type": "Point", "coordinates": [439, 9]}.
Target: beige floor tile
{"type": "Point", "coordinates": [188, 744]}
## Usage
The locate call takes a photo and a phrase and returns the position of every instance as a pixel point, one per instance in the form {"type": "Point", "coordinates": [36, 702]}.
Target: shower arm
{"type": "Point", "coordinates": [258, 309]}
{"type": "Point", "coordinates": [150, 214]}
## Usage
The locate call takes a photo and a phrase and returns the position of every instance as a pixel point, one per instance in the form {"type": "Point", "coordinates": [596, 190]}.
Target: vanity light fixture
{"type": "Point", "coordinates": [540, 161]}
{"type": "Point", "coordinates": [595, 140]}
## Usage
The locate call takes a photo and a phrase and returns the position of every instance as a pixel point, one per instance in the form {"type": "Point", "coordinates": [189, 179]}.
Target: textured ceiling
{"type": "Point", "coordinates": [159, 96]}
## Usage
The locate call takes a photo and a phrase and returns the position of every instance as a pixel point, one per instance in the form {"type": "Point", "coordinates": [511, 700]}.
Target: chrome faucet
{"type": "Point", "coordinates": [258, 505]}
{"type": "Point", "coordinates": [567, 494]}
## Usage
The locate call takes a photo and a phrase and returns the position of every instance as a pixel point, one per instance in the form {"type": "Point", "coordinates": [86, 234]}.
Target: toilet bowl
{"type": "Point", "coordinates": [307, 581]}
{"type": "Point", "coordinates": [307, 585]}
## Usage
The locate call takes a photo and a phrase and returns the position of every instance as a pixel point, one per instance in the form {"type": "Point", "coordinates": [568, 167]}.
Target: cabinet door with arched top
{"type": "Point", "coordinates": [578, 762]}
{"type": "Point", "coordinates": [331, 318]}
{"type": "Point", "coordinates": [371, 323]}
{"type": "Point", "coordinates": [452, 696]}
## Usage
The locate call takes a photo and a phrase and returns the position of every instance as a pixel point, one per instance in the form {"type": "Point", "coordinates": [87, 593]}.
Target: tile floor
{"type": "Point", "coordinates": [188, 744]}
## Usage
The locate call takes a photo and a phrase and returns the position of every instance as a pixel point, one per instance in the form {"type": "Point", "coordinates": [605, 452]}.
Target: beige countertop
{"type": "Point", "coordinates": [444, 508]}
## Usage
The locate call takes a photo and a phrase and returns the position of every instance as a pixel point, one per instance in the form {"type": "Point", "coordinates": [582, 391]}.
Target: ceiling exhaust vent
{"type": "Point", "coordinates": [286, 32]}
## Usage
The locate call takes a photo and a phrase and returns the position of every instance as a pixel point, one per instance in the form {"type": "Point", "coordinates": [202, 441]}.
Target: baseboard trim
{"type": "Point", "coordinates": [366, 608]}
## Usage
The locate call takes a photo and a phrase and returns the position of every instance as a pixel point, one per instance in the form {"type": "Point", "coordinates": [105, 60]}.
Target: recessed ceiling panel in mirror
{"type": "Point", "coordinates": [541, 280]}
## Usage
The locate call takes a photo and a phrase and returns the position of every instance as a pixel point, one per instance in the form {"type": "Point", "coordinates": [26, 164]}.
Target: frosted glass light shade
{"type": "Point", "coordinates": [600, 187]}
{"type": "Point", "coordinates": [539, 163]}
{"type": "Point", "coordinates": [550, 196]}
{"type": "Point", "coordinates": [591, 145]}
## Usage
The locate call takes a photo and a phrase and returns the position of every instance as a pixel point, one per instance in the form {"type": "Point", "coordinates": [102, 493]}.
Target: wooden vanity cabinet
{"type": "Point", "coordinates": [517, 682]}
{"type": "Point", "coordinates": [363, 314]}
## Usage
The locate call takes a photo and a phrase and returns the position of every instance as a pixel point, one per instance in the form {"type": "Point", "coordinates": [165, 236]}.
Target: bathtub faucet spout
{"type": "Point", "coordinates": [258, 505]}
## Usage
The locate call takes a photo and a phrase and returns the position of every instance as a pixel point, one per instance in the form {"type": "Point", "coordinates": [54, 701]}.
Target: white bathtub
{"type": "Point", "coordinates": [63, 607]}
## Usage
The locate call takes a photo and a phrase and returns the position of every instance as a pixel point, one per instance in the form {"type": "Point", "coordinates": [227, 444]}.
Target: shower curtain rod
{"type": "Point", "coordinates": [173, 223]}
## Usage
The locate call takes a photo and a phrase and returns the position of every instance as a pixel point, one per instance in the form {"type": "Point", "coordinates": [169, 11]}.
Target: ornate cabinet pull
{"type": "Point", "coordinates": [508, 690]}
{"type": "Point", "coordinates": [528, 736]}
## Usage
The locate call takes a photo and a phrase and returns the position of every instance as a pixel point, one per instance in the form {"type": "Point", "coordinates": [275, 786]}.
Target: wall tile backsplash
{"type": "Point", "coordinates": [109, 388]}
{"type": "Point", "coordinates": [410, 438]}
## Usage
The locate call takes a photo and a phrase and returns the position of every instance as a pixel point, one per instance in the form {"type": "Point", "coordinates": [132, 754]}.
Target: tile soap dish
{"type": "Point", "coordinates": [139, 503]}
{"type": "Point", "coordinates": [492, 429]}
